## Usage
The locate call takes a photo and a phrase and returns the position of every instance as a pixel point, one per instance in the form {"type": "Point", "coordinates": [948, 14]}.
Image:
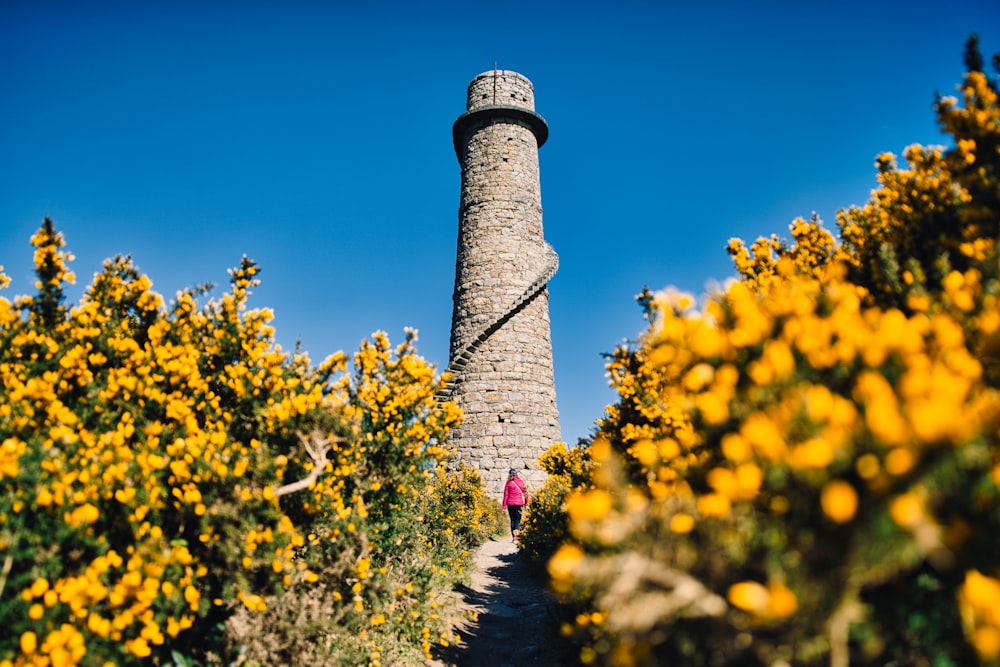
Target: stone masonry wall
{"type": "Point", "coordinates": [507, 390]}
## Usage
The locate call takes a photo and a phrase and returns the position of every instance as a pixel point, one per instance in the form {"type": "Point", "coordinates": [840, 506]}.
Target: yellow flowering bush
{"type": "Point", "coordinates": [463, 514]}
{"type": "Point", "coordinates": [806, 470]}
{"type": "Point", "coordinates": [166, 469]}
{"type": "Point", "coordinates": [545, 527]}
{"type": "Point", "coordinates": [378, 598]}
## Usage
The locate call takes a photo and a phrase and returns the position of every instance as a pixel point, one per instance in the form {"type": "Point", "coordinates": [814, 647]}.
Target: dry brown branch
{"type": "Point", "coordinates": [316, 444]}
{"type": "Point", "coordinates": [847, 612]}
{"type": "Point", "coordinates": [8, 562]}
{"type": "Point", "coordinates": [643, 593]}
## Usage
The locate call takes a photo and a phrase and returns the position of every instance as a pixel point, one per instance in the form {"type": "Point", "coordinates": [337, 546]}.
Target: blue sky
{"type": "Point", "coordinates": [316, 139]}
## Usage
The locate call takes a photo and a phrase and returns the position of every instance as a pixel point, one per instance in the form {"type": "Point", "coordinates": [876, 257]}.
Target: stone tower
{"type": "Point", "coordinates": [501, 346]}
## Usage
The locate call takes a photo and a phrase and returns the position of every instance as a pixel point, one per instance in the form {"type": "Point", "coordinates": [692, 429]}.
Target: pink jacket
{"type": "Point", "coordinates": [515, 492]}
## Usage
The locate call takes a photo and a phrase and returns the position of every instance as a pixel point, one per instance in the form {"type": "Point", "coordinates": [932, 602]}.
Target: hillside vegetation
{"type": "Point", "coordinates": [177, 490]}
{"type": "Point", "coordinates": [805, 468]}
{"type": "Point", "coordinates": [802, 470]}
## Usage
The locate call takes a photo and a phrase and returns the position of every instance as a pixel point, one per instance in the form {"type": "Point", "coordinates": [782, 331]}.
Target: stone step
{"type": "Point", "coordinates": [462, 359]}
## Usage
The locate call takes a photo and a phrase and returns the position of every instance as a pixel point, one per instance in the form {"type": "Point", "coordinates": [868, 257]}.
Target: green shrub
{"type": "Point", "coordinates": [175, 488]}
{"type": "Point", "coordinates": [806, 471]}
{"type": "Point", "coordinates": [462, 515]}
{"type": "Point", "coordinates": [545, 524]}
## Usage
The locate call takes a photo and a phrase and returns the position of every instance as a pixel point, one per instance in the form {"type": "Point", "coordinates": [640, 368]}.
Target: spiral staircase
{"type": "Point", "coordinates": [461, 359]}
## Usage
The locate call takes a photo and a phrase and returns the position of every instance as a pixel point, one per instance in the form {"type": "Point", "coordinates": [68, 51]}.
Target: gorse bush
{"type": "Point", "coordinates": [379, 598]}
{"type": "Point", "coordinates": [403, 604]}
{"type": "Point", "coordinates": [545, 526]}
{"type": "Point", "coordinates": [172, 483]}
{"type": "Point", "coordinates": [807, 469]}
{"type": "Point", "coordinates": [463, 515]}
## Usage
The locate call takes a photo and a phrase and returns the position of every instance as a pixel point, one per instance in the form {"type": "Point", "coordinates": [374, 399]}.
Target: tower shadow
{"type": "Point", "coordinates": [518, 621]}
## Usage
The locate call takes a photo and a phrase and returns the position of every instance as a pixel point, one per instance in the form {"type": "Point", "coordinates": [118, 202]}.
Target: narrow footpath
{"type": "Point", "coordinates": [511, 621]}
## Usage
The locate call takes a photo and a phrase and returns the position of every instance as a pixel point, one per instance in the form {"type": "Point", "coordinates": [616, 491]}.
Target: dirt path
{"type": "Point", "coordinates": [517, 624]}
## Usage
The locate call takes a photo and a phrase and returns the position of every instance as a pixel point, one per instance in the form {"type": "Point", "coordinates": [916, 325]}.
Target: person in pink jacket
{"type": "Point", "coordinates": [515, 497]}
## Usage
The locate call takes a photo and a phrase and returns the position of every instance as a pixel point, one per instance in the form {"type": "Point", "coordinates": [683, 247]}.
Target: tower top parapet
{"type": "Point", "coordinates": [499, 94]}
{"type": "Point", "coordinates": [501, 88]}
